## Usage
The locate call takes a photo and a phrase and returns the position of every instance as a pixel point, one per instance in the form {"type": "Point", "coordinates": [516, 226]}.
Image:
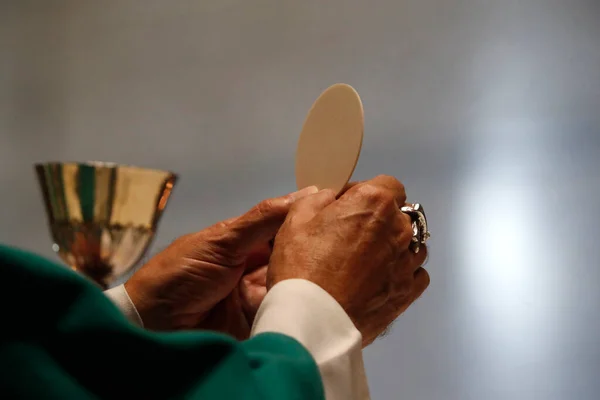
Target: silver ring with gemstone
{"type": "Point", "coordinates": [419, 225]}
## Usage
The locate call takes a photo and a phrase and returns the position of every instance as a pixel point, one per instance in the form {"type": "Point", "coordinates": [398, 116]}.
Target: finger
{"type": "Point", "coordinates": [422, 255]}
{"type": "Point", "coordinates": [408, 263]}
{"type": "Point", "coordinates": [226, 318]}
{"type": "Point", "coordinates": [306, 208]}
{"type": "Point", "coordinates": [404, 229]}
{"type": "Point", "coordinates": [377, 180]}
{"type": "Point", "coordinates": [253, 289]}
{"type": "Point", "coordinates": [260, 224]}
{"type": "Point", "coordinates": [404, 273]}
{"type": "Point", "coordinates": [258, 257]}
{"type": "Point", "coordinates": [348, 186]}
{"type": "Point", "coordinates": [421, 283]}
{"type": "Point", "coordinates": [398, 305]}
{"type": "Point", "coordinates": [373, 189]}
{"type": "Point", "coordinates": [392, 184]}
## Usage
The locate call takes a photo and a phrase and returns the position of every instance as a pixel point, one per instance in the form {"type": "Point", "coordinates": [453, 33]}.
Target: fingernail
{"type": "Point", "coordinates": [307, 191]}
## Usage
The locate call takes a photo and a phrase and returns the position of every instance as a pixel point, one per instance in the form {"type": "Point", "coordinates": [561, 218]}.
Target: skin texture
{"type": "Point", "coordinates": [213, 279]}
{"type": "Point", "coordinates": [355, 247]}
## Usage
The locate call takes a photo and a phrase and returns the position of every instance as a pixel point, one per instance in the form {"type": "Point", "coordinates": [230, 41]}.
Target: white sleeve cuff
{"type": "Point", "coordinates": [119, 296]}
{"type": "Point", "coordinates": [303, 310]}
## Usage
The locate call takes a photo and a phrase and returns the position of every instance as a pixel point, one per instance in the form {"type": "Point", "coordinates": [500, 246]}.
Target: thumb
{"type": "Point", "coordinates": [260, 224]}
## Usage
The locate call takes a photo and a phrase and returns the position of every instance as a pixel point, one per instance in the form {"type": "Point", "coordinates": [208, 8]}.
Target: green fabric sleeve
{"type": "Point", "coordinates": [62, 338]}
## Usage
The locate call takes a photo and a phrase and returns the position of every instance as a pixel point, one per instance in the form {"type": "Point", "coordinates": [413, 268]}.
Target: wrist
{"type": "Point", "coordinates": [144, 306]}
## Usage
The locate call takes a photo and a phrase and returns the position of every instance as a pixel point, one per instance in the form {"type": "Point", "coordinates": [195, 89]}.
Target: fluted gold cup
{"type": "Point", "coordinates": [103, 216]}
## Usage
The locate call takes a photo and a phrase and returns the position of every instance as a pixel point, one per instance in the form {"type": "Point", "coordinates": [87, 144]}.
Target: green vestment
{"type": "Point", "coordinates": [62, 338]}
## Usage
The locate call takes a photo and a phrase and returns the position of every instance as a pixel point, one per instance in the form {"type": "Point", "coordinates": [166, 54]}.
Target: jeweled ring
{"type": "Point", "coordinates": [419, 225]}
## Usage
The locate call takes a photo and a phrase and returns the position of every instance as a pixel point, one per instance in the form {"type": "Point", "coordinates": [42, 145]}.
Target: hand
{"type": "Point", "coordinates": [357, 249]}
{"type": "Point", "coordinates": [212, 279]}
{"type": "Point", "coordinates": [235, 314]}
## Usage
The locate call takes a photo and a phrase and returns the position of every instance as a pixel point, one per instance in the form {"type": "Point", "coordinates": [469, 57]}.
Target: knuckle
{"type": "Point", "coordinates": [222, 225]}
{"type": "Point", "coordinates": [391, 180]}
{"type": "Point", "coordinates": [379, 199]}
{"type": "Point", "coordinates": [328, 194]}
{"type": "Point", "coordinates": [395, 185]}
{"type": "Point", "coordinates": [384, 177]}
{"type": "Point", "coordinates": [270, 207]}
{"type": "Point", "coordinates": [264, 207]}
{"type": "Point", "coordinates": [372, 193]}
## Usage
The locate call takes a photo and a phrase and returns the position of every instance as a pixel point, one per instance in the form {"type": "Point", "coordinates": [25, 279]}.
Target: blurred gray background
{"type": "Point", "coordinates": [488, 111]}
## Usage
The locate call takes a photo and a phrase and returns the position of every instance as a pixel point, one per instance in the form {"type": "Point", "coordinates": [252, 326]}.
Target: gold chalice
{"type": "Point", "coordinates": [103, 216]}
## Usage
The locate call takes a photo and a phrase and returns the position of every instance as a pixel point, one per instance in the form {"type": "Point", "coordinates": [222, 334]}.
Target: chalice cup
{"type": "Point", "coordinates": [103, 216]}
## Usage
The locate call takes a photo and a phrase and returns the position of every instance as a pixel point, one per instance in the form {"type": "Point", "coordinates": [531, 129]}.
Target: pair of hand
{"type": "Point", "coordinates": [355, 247]}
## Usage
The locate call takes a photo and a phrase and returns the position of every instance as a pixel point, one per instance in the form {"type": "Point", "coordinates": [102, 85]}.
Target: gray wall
{"type": "Point", "coordinates": [489, 111]}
